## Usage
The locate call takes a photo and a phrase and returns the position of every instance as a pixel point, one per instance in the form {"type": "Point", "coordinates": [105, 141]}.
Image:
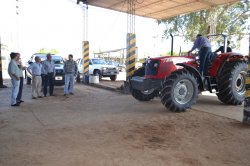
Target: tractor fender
{"type": "Point", "coordinates": [195, 72]}
{"type": "Point", "coordinates": [224, 62]}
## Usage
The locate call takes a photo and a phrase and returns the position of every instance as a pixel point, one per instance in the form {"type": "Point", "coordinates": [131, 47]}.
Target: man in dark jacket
{"type": "Point", "coordinates": [70, 70]}
{"type": "Point", "coordinates": [221, 49]}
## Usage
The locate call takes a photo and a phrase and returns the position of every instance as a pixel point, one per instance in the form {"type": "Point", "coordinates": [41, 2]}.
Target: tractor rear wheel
{"type": "Point", "coordinates": [143, 95]}
{"type": "Point", "coordinates": [179, 91]}
{"type": "Point", "coordinates": [231, 83]}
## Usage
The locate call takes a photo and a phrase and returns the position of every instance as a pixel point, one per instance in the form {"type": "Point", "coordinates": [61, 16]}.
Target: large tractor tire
{"type": "Point", "coordinates": [179, 91]}
{"type": "Point", "coordinates": [231, 83]}
{"type": "Point", "coordinates": [143, 95]}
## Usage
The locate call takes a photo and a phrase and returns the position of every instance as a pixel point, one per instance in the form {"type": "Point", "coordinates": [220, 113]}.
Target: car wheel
{"type": "Point", "coordinates": [28, 80]}
{"type": "Point", "coordinates": [98, 73]}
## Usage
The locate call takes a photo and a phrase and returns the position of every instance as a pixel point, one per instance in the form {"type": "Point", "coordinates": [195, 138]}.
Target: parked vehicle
{"type": "Point", "coordinates": [58, 60]}
{"type": "Point", "coordinates": [177, 81]}
{"type": "Point", "coordinates": [121, 67]}
{"type": "Point", "coordinates": [98, 67]}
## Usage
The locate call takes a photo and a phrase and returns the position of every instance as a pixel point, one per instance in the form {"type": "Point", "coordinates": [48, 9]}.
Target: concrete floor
{"type": "Point", "coordinates": [97, 127]}
{"type": "Point", "coordinates": [207, 102]}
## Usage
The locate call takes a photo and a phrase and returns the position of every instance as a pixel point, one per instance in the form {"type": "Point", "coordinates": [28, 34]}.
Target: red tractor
{"type": "Point", "coordinates": [177, 81]}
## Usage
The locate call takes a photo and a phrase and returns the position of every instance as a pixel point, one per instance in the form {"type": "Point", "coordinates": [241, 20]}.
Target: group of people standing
{"type": "Point", "coordinates": [43, 74]}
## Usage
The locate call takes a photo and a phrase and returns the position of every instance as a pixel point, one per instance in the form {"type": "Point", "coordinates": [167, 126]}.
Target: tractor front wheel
{"type": "Point", "coordinates": [231, 83]}
{"type": "Point", "coordinates": [144, 95]}
{"type": "Point", "coordinates": [179, 91]}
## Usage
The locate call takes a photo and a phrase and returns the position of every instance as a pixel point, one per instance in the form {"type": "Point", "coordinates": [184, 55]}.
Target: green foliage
{"type": "Point", "coordinates": [53, 51]}
{"type": "Point", "coordinates": [169, 54]}
{"type": "Point", "coordinates": [141, 60]}
{"type": "Point", "coordinates": [44, 51]}
{"type": "Point", "coordinates": [228, 19]}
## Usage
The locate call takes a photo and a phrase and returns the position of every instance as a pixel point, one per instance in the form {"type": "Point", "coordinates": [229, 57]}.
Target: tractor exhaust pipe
{"type": "Point", "coordinates": [172, 44]}
{"type": "Point", "coordinates": [225, 40]}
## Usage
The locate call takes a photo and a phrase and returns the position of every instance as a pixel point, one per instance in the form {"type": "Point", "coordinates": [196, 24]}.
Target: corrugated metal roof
{"type": "Point", "coordinates": [160, 9]}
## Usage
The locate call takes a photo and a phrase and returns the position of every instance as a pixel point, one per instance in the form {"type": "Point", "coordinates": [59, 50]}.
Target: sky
{"type": "Point", "coordinates": [58, 24]}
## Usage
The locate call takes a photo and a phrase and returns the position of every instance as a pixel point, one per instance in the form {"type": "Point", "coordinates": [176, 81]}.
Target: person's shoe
{"type": "Point", "coordinates": [52, 95]}
{"type": "Point", "coordinates": [15, 105]}
{"type": "Point", "coordinates": [21, 101]}
{"type": "Point", "coordinates": [40, 97]}
{"type": "Point", "coordinates": [65, 95]}
{"type": "Point", "coordinates": [71, 93]}
{"type": "Point", "coordinates": [34, 98]}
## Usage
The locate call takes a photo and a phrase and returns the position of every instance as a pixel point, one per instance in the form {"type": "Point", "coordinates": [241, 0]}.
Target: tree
{"type": "Point", "coordinates": [53, 51]}
{"type": "Point", "coordinates": [229, 19]}
{"type": "Point", "coordinates": [45, 51]}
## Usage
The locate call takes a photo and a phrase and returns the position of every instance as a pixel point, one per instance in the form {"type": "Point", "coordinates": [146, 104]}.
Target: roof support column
{"type": "Point", "coordinates": [85, 43]}
{"type": "Point", "coordinates": [131, 39]}
{"type": "Point", "coordinates": [85, 58]}
{"type": "Point", "coordinates": [1, 69]}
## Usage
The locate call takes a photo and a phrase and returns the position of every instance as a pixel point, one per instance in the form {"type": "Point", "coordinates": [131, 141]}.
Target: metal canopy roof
{"type": "Point", "coordinates": [160, 9]}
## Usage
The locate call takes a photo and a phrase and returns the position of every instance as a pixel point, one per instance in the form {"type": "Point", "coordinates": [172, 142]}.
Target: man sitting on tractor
{"type": "Point", "coordinates": [221, 49]}
{"type": "Point", "coordinates": [203, 45]}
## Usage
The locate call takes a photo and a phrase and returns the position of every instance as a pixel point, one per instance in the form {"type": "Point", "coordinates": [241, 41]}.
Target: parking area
{"type": "Point", "coordinates": [101, 127]}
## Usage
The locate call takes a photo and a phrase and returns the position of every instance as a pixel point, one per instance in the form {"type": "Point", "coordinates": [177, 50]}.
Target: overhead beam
{"type": "Point", "coordinates": [160, 9]}
{"type": "Point", "coordinates": [208, 3]}
{"type": "Point", "coordinates": [117, 4]}
{"type": "Point", "coordinates": [204, 2]}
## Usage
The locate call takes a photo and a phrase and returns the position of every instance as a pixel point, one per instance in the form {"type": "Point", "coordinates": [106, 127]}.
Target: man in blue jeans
{"type": "Point", "coordinates": [70, 70]}
{"type": "Point", "coordinates": [14, 73]}
{"type": "Point", "coordinates": [203, 45]}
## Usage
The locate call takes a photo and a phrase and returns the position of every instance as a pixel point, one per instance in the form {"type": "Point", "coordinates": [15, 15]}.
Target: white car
{"type": "Point", "coordinates": [98, 67]}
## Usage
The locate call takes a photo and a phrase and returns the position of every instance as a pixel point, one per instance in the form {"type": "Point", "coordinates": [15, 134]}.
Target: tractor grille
{"type": "Point", "coordinates": [152, 67]}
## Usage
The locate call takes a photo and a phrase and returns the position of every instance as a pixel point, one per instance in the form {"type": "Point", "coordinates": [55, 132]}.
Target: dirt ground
{"type": "Point", "coordinates": [96, 127]}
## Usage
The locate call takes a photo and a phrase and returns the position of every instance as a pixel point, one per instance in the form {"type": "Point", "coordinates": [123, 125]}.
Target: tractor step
{"type": "Point", "coordinates": [210, 86]}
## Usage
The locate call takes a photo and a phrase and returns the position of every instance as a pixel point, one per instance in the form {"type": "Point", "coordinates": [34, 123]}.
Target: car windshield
{"type": "Point", "coordinates": [99, 62]}
{"type": "Point", "coordinates": [113, 63]}
{"type": "Point", "coordinates": [57, 59]}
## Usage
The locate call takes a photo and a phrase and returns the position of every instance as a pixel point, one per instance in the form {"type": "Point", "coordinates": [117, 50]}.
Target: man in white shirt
{"type": "Point", "coordinates": [14, 73]}
{"type": "Point", "coordinates": [35, 71]}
